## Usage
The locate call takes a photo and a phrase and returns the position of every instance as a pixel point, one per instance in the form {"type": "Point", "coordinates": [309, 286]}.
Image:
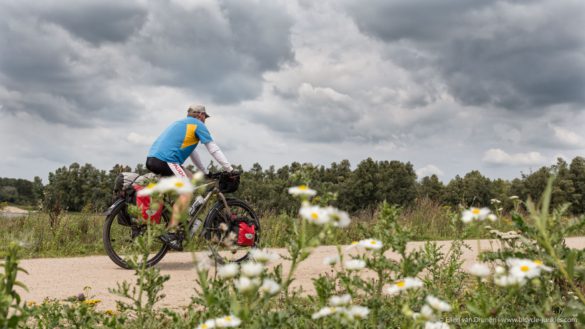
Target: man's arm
{"type": "Point", "coordinates": [197, 161]}
{"type": "Point", "coordinates": [217, 154]}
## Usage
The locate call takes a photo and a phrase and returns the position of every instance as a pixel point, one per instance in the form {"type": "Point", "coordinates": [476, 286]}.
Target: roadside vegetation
{"type": "Point", "coordinates": [533, 281]}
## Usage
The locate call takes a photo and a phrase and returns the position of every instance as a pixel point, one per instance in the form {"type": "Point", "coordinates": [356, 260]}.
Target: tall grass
{"type": "Point", "coordinates": [76, 234]}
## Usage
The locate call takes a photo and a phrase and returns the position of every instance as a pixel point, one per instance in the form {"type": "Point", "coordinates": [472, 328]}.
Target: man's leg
{"type": "Point", "coordinates": [183, 202]}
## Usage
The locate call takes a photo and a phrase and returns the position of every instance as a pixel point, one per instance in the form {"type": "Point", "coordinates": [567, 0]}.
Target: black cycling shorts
{"type": "Point", "coordinates": [164, 168]}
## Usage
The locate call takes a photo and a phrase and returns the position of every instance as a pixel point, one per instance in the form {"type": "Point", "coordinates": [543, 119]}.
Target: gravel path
{"type": "Point", "coordinates": [63, 277]}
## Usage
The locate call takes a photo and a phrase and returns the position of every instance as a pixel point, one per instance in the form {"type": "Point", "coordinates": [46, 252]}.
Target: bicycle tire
{"type": "Point", "coordinates": [110, 223]}
{"type": "Point", "coordinates": [215, 218]}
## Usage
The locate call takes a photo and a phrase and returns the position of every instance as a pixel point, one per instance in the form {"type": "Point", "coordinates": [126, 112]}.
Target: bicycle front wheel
{"type": "Point", "coordinates": [221, 233]}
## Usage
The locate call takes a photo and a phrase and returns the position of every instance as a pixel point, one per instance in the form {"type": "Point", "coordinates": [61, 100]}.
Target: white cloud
{"type": "Point", "coordinates": [429, 170]}
{"type": "Point", "coordinates": [568, 138]}
{"type": "Point", "coordinates": [500, 157]}
{"type": "Point", "coordinates": [139, 139]}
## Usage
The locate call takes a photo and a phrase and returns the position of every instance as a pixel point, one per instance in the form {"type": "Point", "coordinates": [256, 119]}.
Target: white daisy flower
{"type": "Point", "coordinates": [541, 265]}
{"type": "Point", "coordinates": [342, 300]}
{"type": "Point", "coordinates": [492, 217]}
{"type": "Point", "coordinates": [228, 271]}
{"type": "Point", "coordinates": [264, 256]}
{"type": "Point", "coordinates": [355, 264]}
{"type": "Point", "coordinates": [270, 287]}
{"type": "Point", "coordinates": [404, 284]}
{"type": "Point", "coordinates": [500, 270]}
{"type": "Point", "coordinates": [338, 217]}
{"type": "Point", "coordinates": [474, 213]}
{"type": "Point", "coordinates": [438, 304]}
{"type": "Point", "coordinates": [513, 197]}
{"type": "Point", "coordinates": [325, 311]}
{"type": "Point", "coordinates": [209, 324]}
{"type": "Point", "coordinates": [228, 321]}
{"type": "Point", "coordinates": [302, 190]}
{"type": "Point", "coordinates": [436, 325]}
{"type": "Point", "coordinates": [524, 267]}
{"type": "Point", "coordinates": [252, 269]}
{"type": "Point", "coordinates": [181, 185]}
{"type": "Point", "coordinates": [427, 312]}
{"type": "Point", "coordinates": [148, 190]}
{"type": "Point", "coordinates": [509, 280]}
{"type": "Point", "coordinates": [359, 312]}
{"type": "Point", "coordinates": [479, 269]}
{"type": "Point", "coordinates": [371, 244]}
{"type": "Point", "coordinates": [331, 260]}
{"type": "Point", "coordinates": [244, 284]}
{"type": "Point", "coordinates": [314, 214]}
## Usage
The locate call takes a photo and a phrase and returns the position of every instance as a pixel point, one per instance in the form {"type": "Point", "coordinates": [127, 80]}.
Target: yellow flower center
{"type": "Point", "coordinates": [400, 284]}
{"type": "Point", "coordinates": [179, 184]}
{"type": "Point", "coordinates": [475, 211]}
{"type": "Point", "coordinates": [373, 242]}
{"type": "Point", "coordinates": [538, 262]}
{"type": "Point", "coordinates": [303, 187]}
{"type": "Point", "coordinates": [204, 326]}
{"type": "Point", "coordinates": [524, 268]}
{"type": "Point", "coordinates": [151, 185]}
{"type": "Point", "coordinates": [314, 216]}
{"type": "Point", "coordinates": [354, 242]}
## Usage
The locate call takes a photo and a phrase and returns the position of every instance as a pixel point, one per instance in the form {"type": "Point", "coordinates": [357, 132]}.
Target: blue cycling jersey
{"type": "Point", "coordinates": [177, 142]}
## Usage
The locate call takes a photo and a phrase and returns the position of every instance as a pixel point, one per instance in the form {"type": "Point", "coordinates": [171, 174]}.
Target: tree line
{"type": "Point", "coordinates": [86, 188]}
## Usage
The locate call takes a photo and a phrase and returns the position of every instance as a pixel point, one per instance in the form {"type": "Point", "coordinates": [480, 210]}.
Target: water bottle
{"type": "Point", "coordinates": [195, 226]}
{"type": "Point", "coordinates": [198, 201]}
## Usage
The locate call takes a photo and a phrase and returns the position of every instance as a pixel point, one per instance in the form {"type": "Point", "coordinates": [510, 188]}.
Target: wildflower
{"type": "Point", "coordinates": [355, 264]}
{"type": "Point", "coordinates": [495, 201]}
{"type": "Point", "coordinates": [492, 217]}
{"type": "Point", "coordinates": [148, 190]}
{"type": "Point", "coordinates": [438, 304]}
{"type": "Point", "coordinates": [474, 213]}
{"type": "Point", "coordinates": [228, 271]}
{"type": "Point", "coordinates": [209, 324]}
{"type": "Point", "coordinates": [270, 287]}
{"type": "Point", "coordinates": [404, 284]}
{"type": "Point", "coordinates": [302, 190]}
{"type": "Point", "coordinates": [513, 197]}
{"type": "Point", "coordinates": [202, 264]}
{"type": "Point", "coordinates": [325, 311]}
{"type": "Point", "coordinates": [338, 217]}
{"type": "Point", "coordinates": [110, 312]}
{"type": "Point", "coordinates": [314, 214]}
{"type": "Point", "coordinates": [180, 185]}
{"type": "Point", "coordinates": [427, 312]}
{"type": "Point", "coordinates": [252, 269]}
{"type": "Point", "coordinates": [371, 244]}
{"type": "Point", "coordinates": [263, 256]}
{"type": "Point", "coordinates": [360, 312]}
{"type": "Point", "coordinates": [500, 270]}
{"type": "Point", "coordinates": [197, 177]}
{"type": "Point", "coordinates": [509, 280]}
{"type": "Point", "coordinates": [331, 260]}
{"type": "Point", "coordinates": [479, 269]}
{"type": "Point", "coordinates": [92, 302]}
{"type": "Point", "coordinates": [526, 267]}
{"type": "Point", "coordinates": [244, 284]}
{"type": "Point", "coordinates": [436, 325]}
{"type": "Point", "coordinates": [227, 321]}
{"type": "Point", "coordinates": [342, 300]}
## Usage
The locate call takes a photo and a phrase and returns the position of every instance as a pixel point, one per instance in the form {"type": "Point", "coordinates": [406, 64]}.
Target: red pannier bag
{"type": "Point", "coordinates": [246, 233]}
{"type": "Point", "coordinates": [143, 203]}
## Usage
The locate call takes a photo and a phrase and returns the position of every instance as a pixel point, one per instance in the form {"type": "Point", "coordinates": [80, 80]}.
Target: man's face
{"type": "Point", "coordinates": [201, 117]}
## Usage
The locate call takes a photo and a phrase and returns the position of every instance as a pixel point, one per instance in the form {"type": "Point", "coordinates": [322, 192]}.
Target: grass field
{"type": "Point", "coordinates": [76, 234]}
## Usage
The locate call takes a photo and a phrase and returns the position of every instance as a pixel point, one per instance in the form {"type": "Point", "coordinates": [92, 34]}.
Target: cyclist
{"type": "Point", "coordinates": [172, 148]}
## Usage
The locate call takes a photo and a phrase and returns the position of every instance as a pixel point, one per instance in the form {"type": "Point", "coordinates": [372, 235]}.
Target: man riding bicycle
{"type": "Point", "coordinates": [172, 148]}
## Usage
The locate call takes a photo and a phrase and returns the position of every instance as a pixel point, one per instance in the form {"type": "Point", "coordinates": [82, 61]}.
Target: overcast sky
{"type": "Point", "coordinates": [450, 86]}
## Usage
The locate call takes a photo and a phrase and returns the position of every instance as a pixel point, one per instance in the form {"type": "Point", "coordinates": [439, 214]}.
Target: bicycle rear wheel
{"type": "Point", "coordinates": [219, 231]}
{"type": "Point", "coordinates": [119, 239]}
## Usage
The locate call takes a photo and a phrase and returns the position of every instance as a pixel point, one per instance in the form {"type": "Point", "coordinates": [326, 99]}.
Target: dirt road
{"type": "Point", "coordinates": [63, 277]}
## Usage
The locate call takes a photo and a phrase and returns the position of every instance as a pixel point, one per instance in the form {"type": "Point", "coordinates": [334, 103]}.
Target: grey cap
{"type": "Point", "coordinates": [197, 108]}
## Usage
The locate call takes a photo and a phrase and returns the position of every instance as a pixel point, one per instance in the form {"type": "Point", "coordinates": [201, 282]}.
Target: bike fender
{"type": "Point", "coordinates": [113, 206]}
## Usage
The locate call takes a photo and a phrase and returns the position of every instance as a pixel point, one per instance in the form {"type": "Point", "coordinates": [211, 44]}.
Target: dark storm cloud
{"type": "Point", "coordinates": [77, 63]}
{"type": "Point", "coordinates": [522, 55]}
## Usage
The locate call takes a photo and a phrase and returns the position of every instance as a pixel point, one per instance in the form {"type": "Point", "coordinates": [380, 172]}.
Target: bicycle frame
{"type": "Point", "coordinates": [198, 207]}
